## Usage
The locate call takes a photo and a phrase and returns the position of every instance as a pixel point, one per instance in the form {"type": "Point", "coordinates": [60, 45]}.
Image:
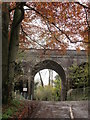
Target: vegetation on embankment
{"type": "Point", "coordinates": [12, 109]}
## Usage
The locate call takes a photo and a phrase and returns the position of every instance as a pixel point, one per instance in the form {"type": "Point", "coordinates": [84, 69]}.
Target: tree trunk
{"type": "Point", "coordinates": [5, 22]}
{"type": "Point", "coordinates": [41, 79]}
{"type": "Point", "coordinates": [49, 78]}
{"type": "Point", "coordinates": [31, 97]}
{"type": "Point", "coordinates": [13, 48]}
{"type": "Point", "coordinates": [89, 49]}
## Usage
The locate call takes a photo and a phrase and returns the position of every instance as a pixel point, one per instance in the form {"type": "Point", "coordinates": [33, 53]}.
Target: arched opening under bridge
{"type": "Point", "coordinates": [47, 86]}
{"type": "Point", "coordinates": [49, 64]}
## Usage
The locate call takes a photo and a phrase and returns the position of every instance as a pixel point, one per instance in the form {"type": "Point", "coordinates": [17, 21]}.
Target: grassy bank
{"type": "Point", "coordinates": [12, 109]}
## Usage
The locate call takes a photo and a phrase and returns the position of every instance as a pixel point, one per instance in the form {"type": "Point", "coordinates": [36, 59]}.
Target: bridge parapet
{"type": "Point", "coordinates": [56, 52]}
{"type": "Point", "coordinates": [71, 56]}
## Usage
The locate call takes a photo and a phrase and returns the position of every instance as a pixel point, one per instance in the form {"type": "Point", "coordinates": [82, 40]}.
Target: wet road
{"type": "Point", "coordinates": [66, 109]}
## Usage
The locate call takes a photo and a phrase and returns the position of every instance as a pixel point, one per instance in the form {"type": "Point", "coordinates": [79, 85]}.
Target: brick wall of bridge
{"type": "Point", "coordinates": [33, 57]}
{"type": "Point", "coordinates": [30, 58]}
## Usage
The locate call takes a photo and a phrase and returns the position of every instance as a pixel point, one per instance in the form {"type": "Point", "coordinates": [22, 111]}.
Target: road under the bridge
{"type": "Point", "coordinates": [47, 109]}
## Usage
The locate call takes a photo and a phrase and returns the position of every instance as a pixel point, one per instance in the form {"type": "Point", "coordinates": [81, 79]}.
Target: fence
{"type": "Point", "coordinates": [78, 94]}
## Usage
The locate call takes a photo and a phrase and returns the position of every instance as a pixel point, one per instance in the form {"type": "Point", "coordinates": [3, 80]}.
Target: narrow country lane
{"type": "Point", "coordinates": [66, 109]}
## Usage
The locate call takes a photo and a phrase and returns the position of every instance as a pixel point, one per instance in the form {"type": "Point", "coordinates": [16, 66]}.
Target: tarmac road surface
{"type": "Point", "coordinates": [62, 109]}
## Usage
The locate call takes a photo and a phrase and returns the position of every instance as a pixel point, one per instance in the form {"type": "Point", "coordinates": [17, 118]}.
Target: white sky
{"type": "Point", "coordinates": [45, 76]}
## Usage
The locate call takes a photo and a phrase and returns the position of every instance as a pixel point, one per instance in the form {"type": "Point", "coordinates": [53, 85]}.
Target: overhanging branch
{"type": "Point", "coordinates": [84, 6]}
{"type": "Point", "coordinates": [31, 38]}
{"type": "Point", "coordinates": [47, 20]}
{"type": "Point", "coordinates": [63, 32]}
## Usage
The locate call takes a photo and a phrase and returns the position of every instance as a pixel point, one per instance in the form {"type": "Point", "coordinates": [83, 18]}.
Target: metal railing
{"type": "Point", "coordinates": [78, 94]}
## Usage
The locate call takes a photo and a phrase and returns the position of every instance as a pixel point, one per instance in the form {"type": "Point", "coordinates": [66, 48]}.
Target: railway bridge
{"type": "Point", "coordinates": [34, 60]}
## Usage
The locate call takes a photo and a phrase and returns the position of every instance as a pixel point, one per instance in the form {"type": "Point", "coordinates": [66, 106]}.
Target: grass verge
{"type": "Point", "coordinates": [12, 109]}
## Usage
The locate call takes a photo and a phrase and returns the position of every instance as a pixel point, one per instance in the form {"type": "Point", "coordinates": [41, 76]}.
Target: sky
{"type": "Point", "coordinates": [45, 76]}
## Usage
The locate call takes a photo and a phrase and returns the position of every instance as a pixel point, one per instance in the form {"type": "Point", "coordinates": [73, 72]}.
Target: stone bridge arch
{"type": "Point", "coordinates": [33, 59]}
{"type": "Point", "coordinates": [49, 64]}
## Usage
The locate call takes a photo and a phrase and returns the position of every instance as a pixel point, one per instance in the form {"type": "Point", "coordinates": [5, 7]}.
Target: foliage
{"type": "Point", "coordinates": [15, 103]}
{"type": "Point", "coordinates": [49, 93]}
{"type": "Point", "coordinates": [17, 71]}
{"type": "Point", "coordinates": [36, 85]}
{"type": "Point", "coordinates": [53, 25]}
{"type": "Point", "coordinates": [11, 109]}
{"type": "Point", "coordinates": [79, 75]}
{"type": "Point", "coordinates": [8, 113]}
{"type": "Point", "coordinates": [18, 68]}
{"type": "Point", "coordinates": [46, 93]}
{"type": "Point", "coordinates": [57, 86]}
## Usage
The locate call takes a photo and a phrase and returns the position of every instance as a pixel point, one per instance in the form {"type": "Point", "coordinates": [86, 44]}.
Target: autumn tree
{"type": "Point", "coordinates": [55, 25]}
{"type": "Point", "coordinates": [46, 25]}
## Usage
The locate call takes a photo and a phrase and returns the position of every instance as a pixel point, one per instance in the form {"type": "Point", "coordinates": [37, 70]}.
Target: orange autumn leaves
{"type": "Point", "coordinates": [54, 25]}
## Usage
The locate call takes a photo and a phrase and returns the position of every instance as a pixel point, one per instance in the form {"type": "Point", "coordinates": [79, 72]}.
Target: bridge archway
{"type": "Point", "coordinates": [50, 64]}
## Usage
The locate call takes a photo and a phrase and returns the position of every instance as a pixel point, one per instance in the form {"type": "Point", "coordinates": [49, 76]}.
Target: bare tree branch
{"type": "Point", "coordinates": [87, 18]}
{"type": "Point", "coordinates": [51, 32]}
{"type": "Point", "coordinates": [31, 38]}
{"type": "Point", "coordinates": [82, 5]}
